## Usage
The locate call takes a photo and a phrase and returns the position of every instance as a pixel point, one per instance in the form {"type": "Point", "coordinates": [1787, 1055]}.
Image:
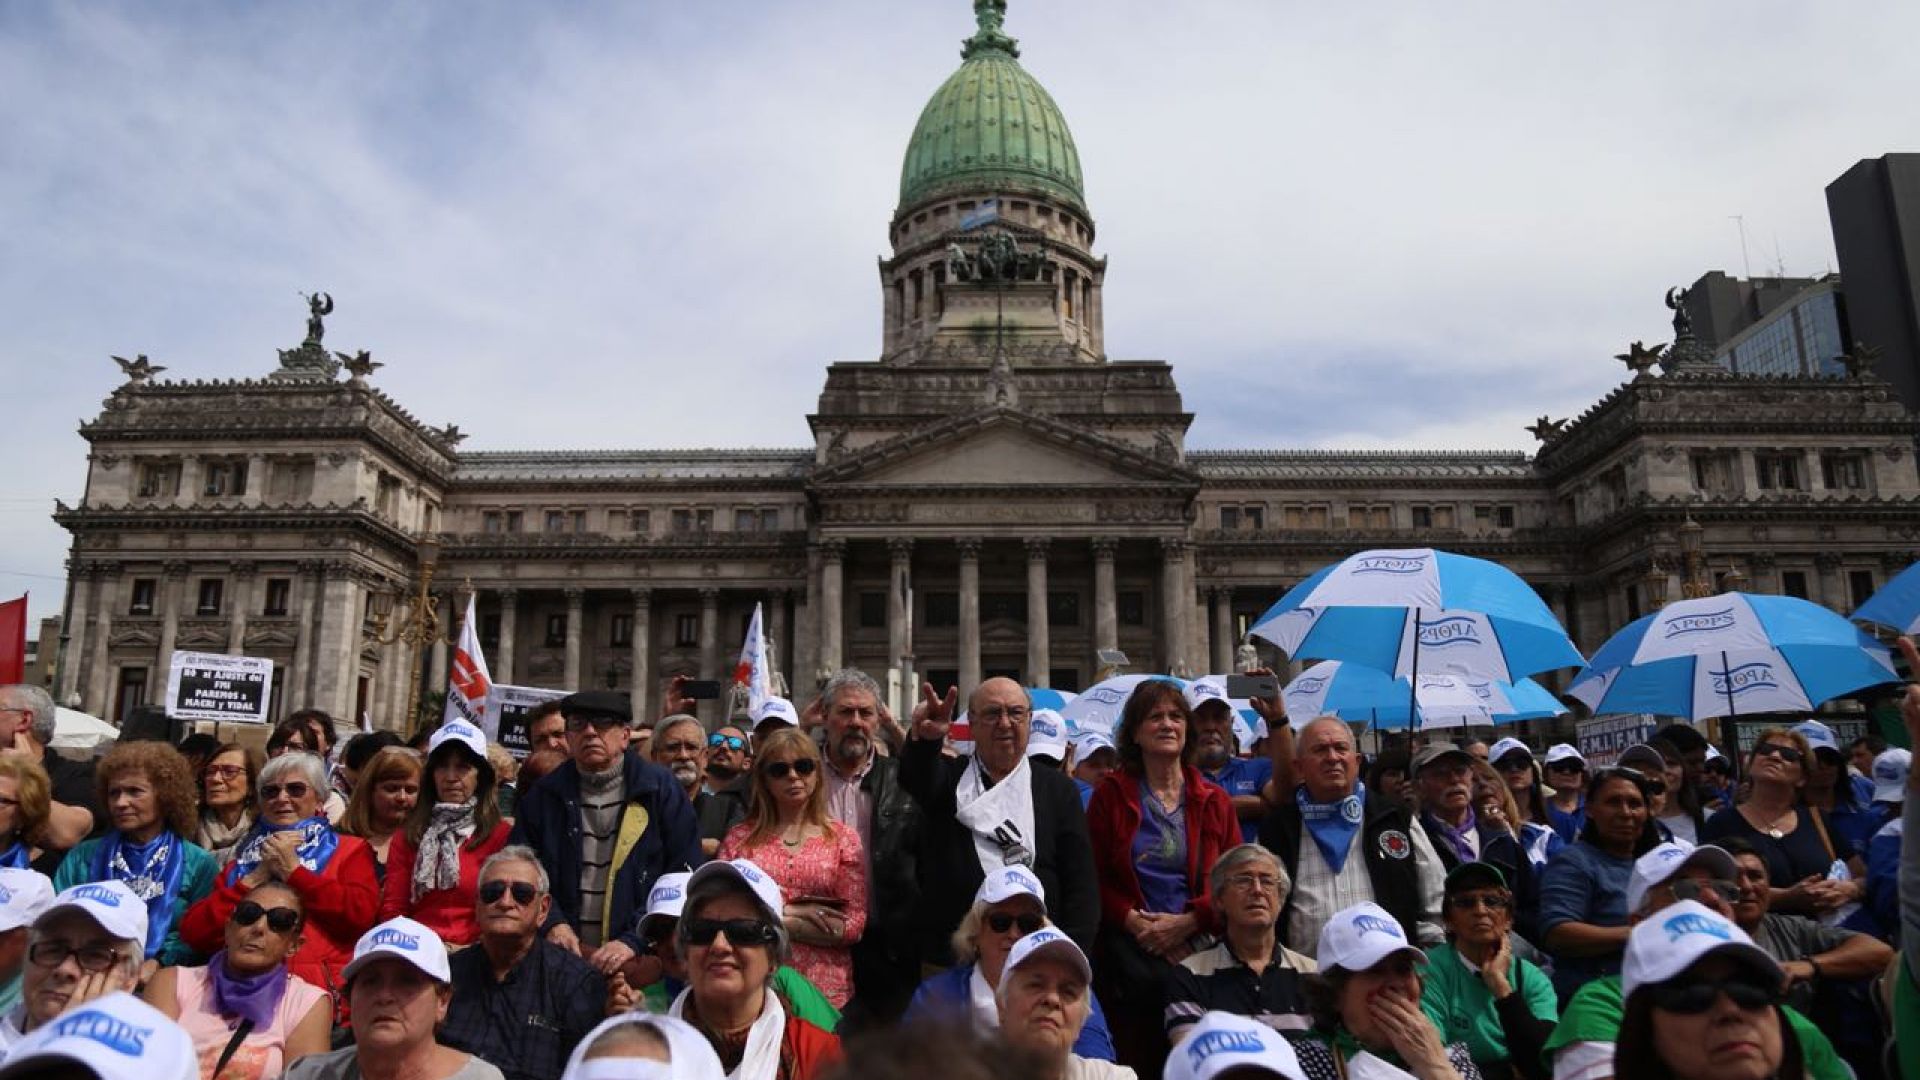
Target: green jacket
{"type": "Point", "coordinates": [196, 881]}
{"type": "Point", "coordinates": [1462, 1007]}
{"type": "Point", "coordinates": [1595, 1013]}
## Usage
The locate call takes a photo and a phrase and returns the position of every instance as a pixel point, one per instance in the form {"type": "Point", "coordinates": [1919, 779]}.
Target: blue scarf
{"type": "Point", "coordinates": [16, 857]}
{"type": "Point", "coordinates": [1333, 824]}
{"type": "Point", "coordinates": [317, 843]}
{"type": "Point", "coordinates": [152, 870]}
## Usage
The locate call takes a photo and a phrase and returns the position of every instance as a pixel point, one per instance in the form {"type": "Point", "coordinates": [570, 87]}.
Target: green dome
{"type": "Point", "coordinates": [991, 127]}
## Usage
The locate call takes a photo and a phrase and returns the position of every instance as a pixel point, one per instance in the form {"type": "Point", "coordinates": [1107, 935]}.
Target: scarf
{"type": "Point", "coordinates": [762, 1058]}
{"type": "Point", "coordinates": [999, 817]}
{"type": "Point", "coordinates": [980, 999]}
{"type": "Point", "coordinates": [317, 844]}
{"type": "Point", "coordinates": [1457, 838]}
{"type": "Point", "coordinates": [1333, 825]}
{"type": "Point", "coordinates": [437, 864]}
{"type": "Point", "coordinates": [220, 840]}
{"type": "Point", "coordinates": [17, 857]}
{"type": "Point", "coordinates": [152, 870]}
{"type": "Point", "coordinates": [251, 997]}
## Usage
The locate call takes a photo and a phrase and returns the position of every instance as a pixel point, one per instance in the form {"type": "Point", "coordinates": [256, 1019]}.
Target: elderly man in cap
{"type": "Point", "coordinates": [399, 988]}
{"type": "Point", "coordinates": [606, 824]}
{"type": "Point", "coordinates": [24, 895]}
{"type": "Point", "coordinates": [680, 747]}
{"type": "Point", "coordinates": [1250, 973]}
{"type": "Point", "coordinates": [89, 941]}
{"type": "Point", "coordinates": [993, 809]}
{"type": "Point", "coordinates": [114, 1037]}
{"type": "Point", "coordinates": [1443, 776]}
{"type": "Point", "coordinates": [1245, 780]}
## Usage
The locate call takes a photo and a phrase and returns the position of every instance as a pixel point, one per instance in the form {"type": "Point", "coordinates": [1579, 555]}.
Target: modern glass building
{"type": "Point", "coordinates": [1803, 336]}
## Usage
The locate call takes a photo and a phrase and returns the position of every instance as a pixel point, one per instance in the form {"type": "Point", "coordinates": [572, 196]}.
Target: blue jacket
{"type": "Point", "coordinates": [1883, 877]}
{"type": "Point", "coordinates": [944, 995]}
{"type": "Point", "coordinates": [549, 823]}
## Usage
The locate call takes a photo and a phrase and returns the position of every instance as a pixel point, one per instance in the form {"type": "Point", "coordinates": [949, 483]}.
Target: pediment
{"type": "Point", "coordinates": [1003, 447]}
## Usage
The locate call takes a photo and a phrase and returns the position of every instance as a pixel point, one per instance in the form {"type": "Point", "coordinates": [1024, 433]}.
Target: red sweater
{"type": "Point", "coordinates": [447, 912]}
{"type": "Point", "coordinates": [340, 904]}
{"type": "Point", "coordinates": [1113, 817]}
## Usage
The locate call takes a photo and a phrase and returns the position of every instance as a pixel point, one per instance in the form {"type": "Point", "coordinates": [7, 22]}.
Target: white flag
{"type": "Point", "coordinates": [468, 682]}
{"type": "Point", "coordinates": [752, 672]}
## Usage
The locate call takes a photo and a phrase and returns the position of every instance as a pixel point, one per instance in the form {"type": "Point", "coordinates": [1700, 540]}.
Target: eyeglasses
{"type": "Point", "coordinates": [1788, 754]}
{"type": "Point", "coordinates": [1694, 889]}
{"type": "Point", "coordinates": [1697, 996]}
{"type": "Point", "coordinates": [523, 892]}
{"type": "Point", "coordinates": [1516, 763]}
{"type": "Point", "coordinates": [1656, 787]}
{"type": "Point", "coordinates": [778, 770]}
{"type": "Point", "coordinates": [51, 954]}
{"type": "Point", "coordinates": [739, 932]}
{"type": "Point", "coordinates": [731, 742]}
{"type": "Point", "coordinates": [1015, 713]}
{"type": "Point", "coordinates": [294, 789]}
{"type": "Point", "coordinates": [280, 920]}
{"type": "Point", "coordinates": [1490, 901]}
{"type": "Point", "coordinates": [598, 722]}
{"type": "Point", "coordinates": [1264, 882]}
{"type": "Point", "coordinates": [1000, 922]}
{"type": "Point", "coordinates": [1566, 766]}
{"type": "Point", "coordinates": [223, 772]}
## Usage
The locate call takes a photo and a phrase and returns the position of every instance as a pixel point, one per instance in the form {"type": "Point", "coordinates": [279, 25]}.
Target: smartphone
{"type": "Point", "coordinates": [701, 689]}
{"type": "Point", "coordinates": [1240, 687]}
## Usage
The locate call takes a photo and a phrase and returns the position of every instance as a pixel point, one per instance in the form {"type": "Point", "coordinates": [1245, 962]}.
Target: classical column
{"type": "Point", "coordinates": [806, 630]}
{"type": "Point", "coordinates": [710, 664]}
{"type": "Point", "coordinates": [1222, 599]}
{"type": "Point", "coordinates": [240, 603]}
{"type": "Point", "coordinates": [1833, 592]}
{"type": "Point", "coordinates": [99, 674]}
{"type": "Point", "coordinates": [777, 634]}
{"type": "Point", "coordinates": [576, 613]}
{"type": "Point", "coordinates": [80, 594]}
{"type": "Point", "coordinates": [256, 481]}
{"type": "Point", "coordinates": [337, 645]}
{"type": "Point", "coordinates": [299, 685]}
{"type": "Point", "coordinates": [1039, 651]}
{"type": "Point", "coordinates": [1173, 606]}
{"type": "Point", "coordinates": [450, 615]}
{"type": "Point", "coordinates": [501, 662]}
{"type": "Point", "coordinates": [1106, 616]}
{"type": "Point", "coordinates": [1196, 612]}
{"type": "Point", "coordinates": [969, 613]}
{"type": "Point", "coordinates": [641, 645]}
{"type": "Point", "coordinates": [899, 617]}
{"type": "Point", "coordinates": [832, 552]}
{"type": "Point", "coordinates": [172, 586]}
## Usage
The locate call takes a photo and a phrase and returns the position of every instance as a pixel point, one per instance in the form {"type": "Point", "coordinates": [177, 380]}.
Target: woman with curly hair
{"type": "Point", "coordinates": [26, 796]}
{"type": "Point", "coordinates": [147, 790]}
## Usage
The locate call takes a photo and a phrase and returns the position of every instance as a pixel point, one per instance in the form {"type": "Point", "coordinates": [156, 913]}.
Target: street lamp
{"type": "Point", "coordinates": [1696, 583]}
{"type": "Point", "coordinates": [418, 627]}
{"type": "Point", "coordinates": [1655, 581]}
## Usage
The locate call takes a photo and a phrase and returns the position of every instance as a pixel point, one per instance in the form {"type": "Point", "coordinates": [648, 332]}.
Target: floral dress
{"type": "Point", "coordinates": [831, 865]}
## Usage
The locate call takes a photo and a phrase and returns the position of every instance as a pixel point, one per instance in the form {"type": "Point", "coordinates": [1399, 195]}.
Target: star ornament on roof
{"type": "Point", "coordinates": [1640, 359]}
{"type": "Point", "coordinates": [139, 369]}
{"type": "Point", "coordinates": [1546, 428]}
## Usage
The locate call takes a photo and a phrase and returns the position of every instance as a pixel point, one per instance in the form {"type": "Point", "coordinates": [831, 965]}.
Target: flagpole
{"type": "Point", "coordinates": [1413, 682]}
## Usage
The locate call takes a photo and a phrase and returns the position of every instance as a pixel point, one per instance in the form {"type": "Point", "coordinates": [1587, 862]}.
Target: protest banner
{"type": "Point", "coordinates": [212, 686]}
{"type": "Point", "coordinates": [1602, 740]}
{"type": "Point", "coordinates": [505, 719]}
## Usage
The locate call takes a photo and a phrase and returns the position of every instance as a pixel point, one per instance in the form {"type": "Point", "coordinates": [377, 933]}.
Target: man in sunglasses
{"type": "Point", "coordinates": [729, 756]}
{"type": "Point", "coordinates": [88, 943]}
{"type": "Point", "coordinates": [519, 1002]}
{"type": "Point", "coordinates": [1813, 954]}
{"type": "Point", "coordinates": [680, 747]}
{"type": "Point", "coordinates": [1582, 1044]}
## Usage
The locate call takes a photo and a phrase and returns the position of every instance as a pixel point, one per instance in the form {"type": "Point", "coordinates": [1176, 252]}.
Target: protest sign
{"type": "Point", "coordinates": [210, 686]}
{"type": "Point", "coordinates": [505, 719]}
{"type": "Point", "coordinates": [1602, 740]}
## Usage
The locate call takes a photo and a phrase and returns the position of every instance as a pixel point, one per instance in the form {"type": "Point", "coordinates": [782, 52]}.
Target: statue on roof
{"type": "Point", "coordinates": [1682, 322]}
{"type": "Point", "coordinates": [1546, 428]}
{"type": "Point", "coordinates": [1640, 359]}
{"type": "Point", "coordinates": [139, 369]}
{"type": "Point", "coordinates": [451, 434]}
{"type": "Point", "coordinates": [1859, 362]}
{"type": "Point", "coordinates": [989, 16]}
{"type": "Point", "coordinates": [359, 366]}
{"type": "Point", "coordinates": [319, 306]}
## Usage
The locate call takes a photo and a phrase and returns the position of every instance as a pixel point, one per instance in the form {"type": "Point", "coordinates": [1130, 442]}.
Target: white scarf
{"type": "Point", "coordinates": [1000, 817]}
{"type": "Point", "coordinates": [1365, 1066]}
{"type": "Point", "coordinates": [437, 864]}
{"type": "Point", "coordinates": [986, 1010]}
{"type": "Point", "coordinates": [762, 1058]}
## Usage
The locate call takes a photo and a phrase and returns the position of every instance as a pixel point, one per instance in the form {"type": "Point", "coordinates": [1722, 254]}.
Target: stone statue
{"type": "Point", "coordinates": [1546, 428]}
{"type": "Point", "coordinates": [139, 369]}
{"type": "Point", "coordinates": [1640, 359]}
{"type": "Point", "coordinates": [319, 306]}
{"type": "Point", "coordinates": [998, 258]}
{"type": "Point", "coordinates": [1246, 657]}
{"type": "Point", "coordinates": [1859, 363]}
{"type": "Point", "coordinates": [451, 434]}
{"type": "Point", "coordinates": [359, 366]}
{"type": "Point", "coordinates": [1682, 322]}
{"type": "Point", "coordinates": [959, 264]}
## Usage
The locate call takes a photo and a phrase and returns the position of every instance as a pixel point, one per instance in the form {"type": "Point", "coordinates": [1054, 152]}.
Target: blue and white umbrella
{"type": "Point", "coordinates": [1248, 727]}
{"type": "Point", "coordinates": [1897, 604]}
{"type": "Point", "coordinates": [1354, 692]}
{"type": "Point", "coordinates": [1097, 708]}
{"type": "Point", "coordinates": [1404, 611]}
{"type": "Point", "coordinates": [1729, 655]}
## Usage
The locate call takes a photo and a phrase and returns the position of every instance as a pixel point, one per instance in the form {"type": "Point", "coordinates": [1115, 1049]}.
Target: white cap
{"type": "Point", "coordinates": [403, 939]}
{"type": "Point", "coordinates": [1007, 883]}
{"type": "Point", "coordinates": [1562, 751]}
{"type": "Point", "coordinates": [1361, 936]}
{"type": "Point", "coordinates": [758, 881]}
{"type": "Point", "coordinates": [116, 1037]}
{"type": "Point", "coordinates": [1507, 746]}
{"type": "Point", "coordinates": [774, 708]}
{"type": "Point", "coordinates": [1714, 752]}
{"type": "Point", "coordinates": [1657, 867]}
{"type": "Point", "coordinates": [1220, 1041]}
{"type": "Point", "coordinates": [24, 895]}
{"type": "Point", "coordinates": [1047, 734]}
{"type": "Point", "coordinates": [1200, 691]}
{"type": "Point", "coordinates": [109, 903]}
{"type": "Point", "coordinates": [1890, 775]}
{"type": "Point", "coordinates": [1088, 743]}
{"type": "Point", "coordinates": [1818, 735]}
{"type": "Point", "coordinates": [665, 899]}
{"type": "Point", "coordinates": [1051, 942]}
{"type": "Point", "coordinates": [692, 1056]}
{"type": "Point", "coordinates": [1677, 937]}
{"type": "Point", "coordinates": [461, 732]}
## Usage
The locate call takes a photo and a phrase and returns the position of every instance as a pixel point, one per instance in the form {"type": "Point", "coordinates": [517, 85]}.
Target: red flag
{"type": "Point", "coordinates": [13, 641]}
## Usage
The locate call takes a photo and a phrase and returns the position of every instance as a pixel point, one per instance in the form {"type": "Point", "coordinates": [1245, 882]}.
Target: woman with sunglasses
{"type": "Point", "coordinates": [1514, 762]}
{"type": "Point", "coordinates": [385, 792]}
{"type": "Point", "coordinates": [819, 863]}
{"type": "Point", "coordinates": [1477, 990]}
{"type": "Point", "coordinates": [1799, 847]}
{"type": "Point", "coordinates": [248, 1015]}
{"type": "Point", "coordinates": [434, 867]}
{"type": "Point", "coordinates": [732, 937]}
{"type": "Point", "coordinates": [293, 843]}
{"type": "Point", "coordinates": [148, 794]}
{"type": "Point", "coordinates": [1702, 1003]}
{"type": "Point", "coordinates": [1010, 904]}
{"type": "Point", "coordinates": [1583, 893]}
{"type": "Point", "coordinates": [226, 799]}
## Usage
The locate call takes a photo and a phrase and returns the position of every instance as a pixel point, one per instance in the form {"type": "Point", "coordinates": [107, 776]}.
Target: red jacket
{"type": "Point", "coordinates": [447, 912]}
{"type": "Point", "coordinates": [806, 1051]}
{"type": "Point", "coordinates": [340, 905]}
{"type": "Point", "coordinates": [1113, 817]}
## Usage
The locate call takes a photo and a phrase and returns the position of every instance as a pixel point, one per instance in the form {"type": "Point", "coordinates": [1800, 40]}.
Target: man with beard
{"type": "Point", "coordinates": [680, 745]}
{"type": "Point", "coordinates": [864, 792]}
{"type": "Point", "coordinates": [728, 757]}
{"type": "Point", "coordinates": [1243, 779]}
{"type": "Point", "coordinates": [1443, 775]}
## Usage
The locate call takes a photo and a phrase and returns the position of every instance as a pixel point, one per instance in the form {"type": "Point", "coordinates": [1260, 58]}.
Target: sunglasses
{"type": "Point", "coordinates": [1000, 922]}
{"type": "Point", "coordinates": [778, 770]}
{"type": "Point", "coordinates": [739, 932]}
{"type": "Point", "coordinates": [731, 742]}
{"type": "Point", "coordinates": [523, 892]}
{"type": "Point", "coordinates": [295, 789]}
{"type": "Point", "coordinates": [281, 920]}
{"type": "Point", "coordinates": [95, 958]}
{"type": "Point", "coordinates": [1518, 763]}
{"type": "Point", "coordinates": [598, 722]}
{"type": "Point", "coordinates": [1788, 754]}
{"type": "Point", "coordinates": [1566, 766]}
{"type": "Point", "coordinates": [1490, 901]}
{"type": "Point", "coordinates": [1694, 997]}
{"type": "Point", "coordinates": [1694, 889]}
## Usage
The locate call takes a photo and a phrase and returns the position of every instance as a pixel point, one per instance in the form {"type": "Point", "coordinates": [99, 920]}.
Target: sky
{"type": "Point", "coordinates": [638, 225]}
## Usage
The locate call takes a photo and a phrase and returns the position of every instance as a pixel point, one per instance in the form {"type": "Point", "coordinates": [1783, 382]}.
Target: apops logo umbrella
{"type": "Point", "coordinates": [1450, 630]}
{"type": "Point", "coordinates": [1309, 684]}
{"type": "Point", "coordinates": [1390, 564]}
{"type": "Point", "coordinates": [1758, 675]}
{"type": "Point", "coordinates": [1705, 622]}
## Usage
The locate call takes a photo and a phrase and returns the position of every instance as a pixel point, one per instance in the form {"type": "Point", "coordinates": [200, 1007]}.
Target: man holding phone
{"type": "Point", "coordinates": [1245, 780]}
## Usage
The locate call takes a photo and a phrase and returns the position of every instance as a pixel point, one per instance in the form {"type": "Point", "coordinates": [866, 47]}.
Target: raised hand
{"type": "Point", "coordinates": [676, 702]}
{"type": "Point", "coordinates": [933, 715]}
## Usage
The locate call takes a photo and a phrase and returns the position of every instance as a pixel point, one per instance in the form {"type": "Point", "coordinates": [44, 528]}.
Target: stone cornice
{"type": "Point", "coordinates": [231, 519]}
{"type": "Point", "coordinates": [544, 547]}
{"type": "Point", "coordinates": [1069, 437]}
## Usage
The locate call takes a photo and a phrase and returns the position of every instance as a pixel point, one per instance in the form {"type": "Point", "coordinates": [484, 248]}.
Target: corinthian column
{"type": "Point", "coordinates": [831, 607]}
{"type": "Point", "coordinates": [899, 618]}
{"type": "Point", "coordinates": [1173, 603]}
{"type": "Point", "coordinates": [1223, 629]}
{"type": "Point", "coordinates": [969, 613]}
{"type": "Point", "coordinates": [576, 612]}
{"type": "Point", "coordinates": [1039, 651]}
{"type": "Point", "coordinates": [502, 660]}
{"type": "Point", "coordinates": [1106, 618]}
{"type": "Point", "coordinates": [640, 641]}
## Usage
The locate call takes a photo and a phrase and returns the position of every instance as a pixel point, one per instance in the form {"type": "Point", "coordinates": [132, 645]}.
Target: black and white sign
{"type": "Point", "coordinates": [210, 686]}
{"type": "Point", "coordinates": [506, 718]}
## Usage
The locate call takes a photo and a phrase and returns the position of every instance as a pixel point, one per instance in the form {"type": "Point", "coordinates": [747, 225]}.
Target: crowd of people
{"type": "Point", "coordinates": [837, 891]}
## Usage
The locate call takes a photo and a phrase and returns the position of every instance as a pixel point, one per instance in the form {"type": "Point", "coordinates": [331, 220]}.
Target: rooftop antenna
{"type": "Point", "coordinates": [1740, 222]}
{"type": "Point", "coordinates": [1779, 260]}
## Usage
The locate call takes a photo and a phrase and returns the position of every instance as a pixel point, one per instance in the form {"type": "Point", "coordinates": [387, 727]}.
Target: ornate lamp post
{"type": "Point", "coordinates": [1655, 581]}
{"type": "Point", "coordinates": [1696, 583]}
{"type": "Point", "coordinates": [419, 625]}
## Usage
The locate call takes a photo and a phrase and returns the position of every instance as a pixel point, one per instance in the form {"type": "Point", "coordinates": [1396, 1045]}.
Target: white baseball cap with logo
{"type": "Point", "coordinates": [1890, 775]}
{"type": "Point", "coordinates": [1048, 941]}
{"type": "Point", "coordinates": [402, 939]}
{"type": "Point", "coordinates": [1007, 883]}
{"type": "Point", "coordinates": [24, 895]}
{"type": "Point", "coordinates": [1818, 735]}
{"type": "Point", "coordinates": [774, 708]}
{"type": "Point", "coordinates": [1220, 1042]}
{"type": "Point", "coordinates": [758, 881]}
{"type": "Point", "coordinates": [1657, 867]}
{"type": "Point", "coordinates": [1046, 734]}
{"type": "Point", "coordinates": [1677, 937]}
{"type": "Point", "coordinates": [461, 732]}
{"type": "Point", "coordinates": [108, 903]}
{"type": "Point", "coordinates": [1201, 691]}
{"type": "Point", "coordinates": [1088, 743]}
{"type": "Point", "coordinates": [115, 1037]}
{"type": "Point", "coordinates": [1361, 936]}
{"type": "Point", "coordinates": [665, 900]}
{"type": "Point", "coordinates": [1560, 751]}
{"type": "Point", "coordinates": [1507, 746]}
{"type": "Point", "coordinates": [691, 1056]}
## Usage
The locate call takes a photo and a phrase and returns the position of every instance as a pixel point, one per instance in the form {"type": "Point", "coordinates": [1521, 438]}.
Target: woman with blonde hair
{"type": "Point", "coordinates": [26, 802]}
{"type": "Point", "coordinates": [1802, 853]}
{"type": "Point", "coordinates": [384, 795]}
{"type": "Point", "coordinates": [818, 862]}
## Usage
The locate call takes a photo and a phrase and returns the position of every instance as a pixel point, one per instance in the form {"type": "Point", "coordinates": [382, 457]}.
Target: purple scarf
{"type": "Point", "coordinates": [255, 997]}
{"type": "Point", "coordinates": [1457, 838]}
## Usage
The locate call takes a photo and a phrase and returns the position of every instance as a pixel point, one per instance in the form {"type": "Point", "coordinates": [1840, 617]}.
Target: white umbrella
{"type": "Point", "coordinates": [1097, 708]}
{"type": "Point", "coordinates": [75, 730]}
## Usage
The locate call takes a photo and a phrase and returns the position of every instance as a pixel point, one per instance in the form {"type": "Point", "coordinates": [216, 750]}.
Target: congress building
{"type": "Point", "coordinates": [993, 494]}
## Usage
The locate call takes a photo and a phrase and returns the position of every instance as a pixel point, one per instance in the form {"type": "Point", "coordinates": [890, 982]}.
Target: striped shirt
{"type": "Point", "coordinates": [602, 795]}
{"type": "Point", "coordinates": [1215, 980]}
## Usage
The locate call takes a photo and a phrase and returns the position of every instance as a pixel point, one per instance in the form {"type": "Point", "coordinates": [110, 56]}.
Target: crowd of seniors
{"type": "Point", "coordinates": [772, 901]}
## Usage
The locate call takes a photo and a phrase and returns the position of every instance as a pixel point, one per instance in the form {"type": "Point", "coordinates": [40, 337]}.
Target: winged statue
{"type": "Point", "coordinates": [139, 369]}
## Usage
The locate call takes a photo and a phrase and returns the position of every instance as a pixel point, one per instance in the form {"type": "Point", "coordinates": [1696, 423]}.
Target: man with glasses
{"type": "Point", "coordinates": [1567, 776]}
{"type": "Point", "coordinates": [680, 747]}
{"type": "Point", "coordinates": [89, 942]}
{"type": "Point", "coordinates": [519, 1002]}
{"type": "Point", "coordinates": [729, 756]}
{"type": "Point", "coordinates": [606, 824]}
{"type": "Point", "coordinates": [1813, 954]}
{"type": "Point", "coordinates": [1250, 973]}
